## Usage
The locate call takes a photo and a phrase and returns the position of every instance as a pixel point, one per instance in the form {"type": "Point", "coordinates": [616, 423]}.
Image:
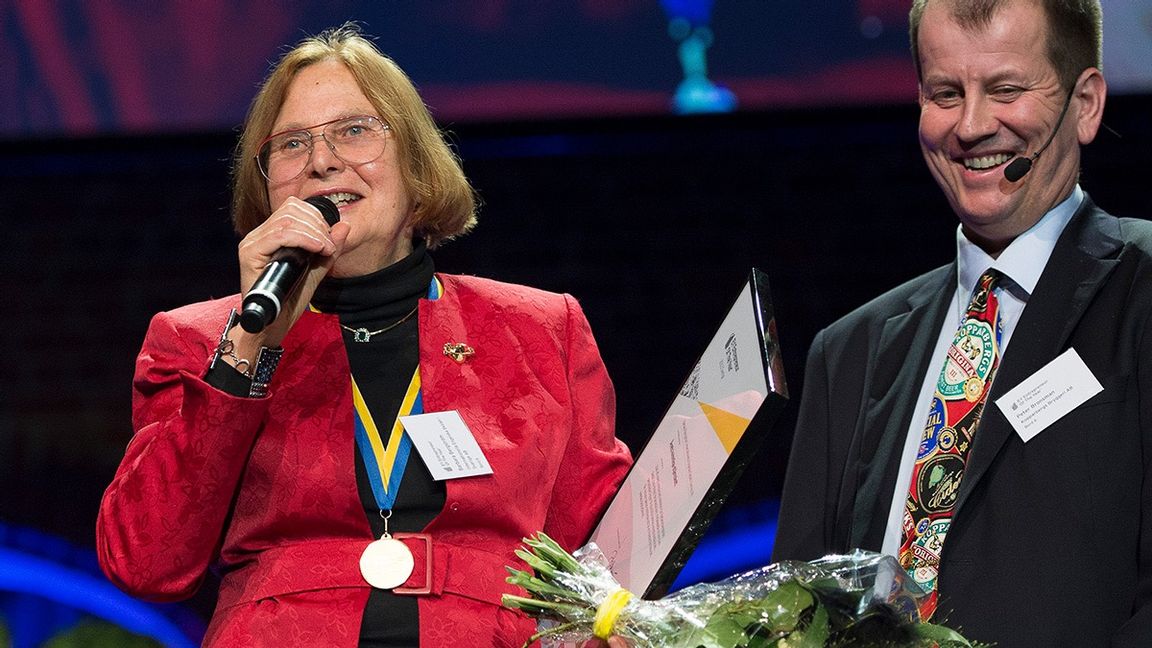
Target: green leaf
{"type": "Point", "coordinates": [783, 607]}
{"type": "Point", "coordinates": [538, 587]}
{"type": "Point", "coordinates": [546, 608]}
{"type": "Point", "coordinates": [542, 566]}
{"type": "Point", "coordinates": [549, 550]}
{"type": "Point", "coordinates": [940, 634]}
{"type": "Point", "coordinates": [816, 634]}
{"type": "Point", "coordinates": [841, 605]}
{"type": "Point", "coordinates": [726, 631]}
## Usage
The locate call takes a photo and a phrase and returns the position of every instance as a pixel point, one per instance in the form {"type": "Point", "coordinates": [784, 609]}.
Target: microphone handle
{"type": "Point", "coordinates": [262, 303]}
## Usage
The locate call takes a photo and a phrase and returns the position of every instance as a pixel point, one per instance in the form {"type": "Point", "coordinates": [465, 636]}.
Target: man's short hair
{"type": "Point", "coordinates": [1075, 30]}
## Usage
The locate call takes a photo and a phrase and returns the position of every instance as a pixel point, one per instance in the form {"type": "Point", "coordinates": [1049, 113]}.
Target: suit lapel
{"type": "Point", "coordinates": [896, 368]}
{"type": "Point", "coordinates": [446, 384]}
{"type": "Point", "coordinates": [442, 322]}
{"type": "Point", "coordinates": [1083, 258]}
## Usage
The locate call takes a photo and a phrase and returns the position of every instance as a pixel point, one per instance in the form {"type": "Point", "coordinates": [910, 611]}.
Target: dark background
{"type": "Point", "coordinates": [82, 67]}
{"type": "Point", "coordinates": [119, 122]}
{"type": "Point", "coordinates": [653, 224]}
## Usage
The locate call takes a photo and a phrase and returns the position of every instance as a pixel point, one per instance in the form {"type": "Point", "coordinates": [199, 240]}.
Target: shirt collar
{"type": "Point", "coordinates": [1024, 259]}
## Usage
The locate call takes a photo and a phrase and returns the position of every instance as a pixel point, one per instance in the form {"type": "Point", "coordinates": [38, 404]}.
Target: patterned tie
{"type": "Point", "coordinates": [956, 407]}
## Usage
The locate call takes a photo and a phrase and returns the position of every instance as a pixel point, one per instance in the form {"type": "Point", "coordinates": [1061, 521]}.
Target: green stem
{"type": "Point", "coordinates": [564, 627]}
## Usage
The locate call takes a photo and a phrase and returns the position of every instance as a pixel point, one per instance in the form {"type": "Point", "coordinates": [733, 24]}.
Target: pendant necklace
{"type": "Point", "coordinates": [362, 334]}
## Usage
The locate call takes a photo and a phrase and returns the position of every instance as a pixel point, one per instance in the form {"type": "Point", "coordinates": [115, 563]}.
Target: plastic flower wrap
{"type": "Point", "coordinates": [861, 599]}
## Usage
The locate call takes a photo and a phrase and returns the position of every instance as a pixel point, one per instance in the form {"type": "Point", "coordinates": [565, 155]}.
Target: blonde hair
{"type": "Point", "coordinates": [445, 202]}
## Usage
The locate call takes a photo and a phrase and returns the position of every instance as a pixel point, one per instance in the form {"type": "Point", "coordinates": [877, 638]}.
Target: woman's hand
{"type": "Point", "coordinates": [294, 224]}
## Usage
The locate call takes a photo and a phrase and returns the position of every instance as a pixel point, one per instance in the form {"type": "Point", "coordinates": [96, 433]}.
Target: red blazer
{"type": "Point", "coordinates": [264, 490]}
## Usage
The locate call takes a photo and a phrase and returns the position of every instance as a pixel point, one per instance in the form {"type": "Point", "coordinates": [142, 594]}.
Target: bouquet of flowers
{"type": "Point", "coordinates": [861, 600]}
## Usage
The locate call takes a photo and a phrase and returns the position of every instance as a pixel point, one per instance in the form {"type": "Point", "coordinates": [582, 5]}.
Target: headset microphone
{"type": "Point", "coordinates": [1020, 166]}
{"type": "Point", "coordinates": [1017, 168]}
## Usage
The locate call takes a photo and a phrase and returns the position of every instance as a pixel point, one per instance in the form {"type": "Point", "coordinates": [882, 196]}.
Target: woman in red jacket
{"type": "Point", "coordinates": [277, 458]}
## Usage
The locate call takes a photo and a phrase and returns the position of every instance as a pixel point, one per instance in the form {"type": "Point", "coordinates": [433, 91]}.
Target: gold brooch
{"type": "Point", "coordinates": [458, 351]}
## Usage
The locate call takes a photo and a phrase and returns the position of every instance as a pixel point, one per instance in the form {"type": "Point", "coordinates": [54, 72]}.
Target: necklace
{"type": "Point", "coordinates": [364, 335]}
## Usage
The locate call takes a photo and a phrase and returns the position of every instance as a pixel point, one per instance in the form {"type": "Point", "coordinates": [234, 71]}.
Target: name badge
{"type": "Point", "coordinates": [1043, 398]}
{"type": "Point", "coordinates": [446, 445]}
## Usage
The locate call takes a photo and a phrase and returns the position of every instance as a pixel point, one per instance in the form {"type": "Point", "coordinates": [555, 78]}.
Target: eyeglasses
{"type": "Point", "coordinates": [355, 140]}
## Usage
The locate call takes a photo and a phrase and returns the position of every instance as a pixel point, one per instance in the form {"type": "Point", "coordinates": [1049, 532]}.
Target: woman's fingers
{"type": "Point", "coordinates": [294, 224]}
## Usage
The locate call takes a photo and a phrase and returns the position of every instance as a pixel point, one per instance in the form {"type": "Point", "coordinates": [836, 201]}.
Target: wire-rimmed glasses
{"type": "Point", "coordinates": [359, 139]}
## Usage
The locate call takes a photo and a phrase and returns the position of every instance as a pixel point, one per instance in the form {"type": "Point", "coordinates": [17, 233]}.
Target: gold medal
{"type": "Point", "coordinates": [386, 563]}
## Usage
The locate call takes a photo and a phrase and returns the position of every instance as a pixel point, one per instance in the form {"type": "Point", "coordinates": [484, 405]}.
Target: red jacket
{"type": "Point", "coordinates": [265, 489]}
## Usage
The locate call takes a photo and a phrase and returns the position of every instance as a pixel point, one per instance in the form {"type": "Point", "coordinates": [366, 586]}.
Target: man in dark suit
{"type": "Point", "coordinates": [1028, 517]}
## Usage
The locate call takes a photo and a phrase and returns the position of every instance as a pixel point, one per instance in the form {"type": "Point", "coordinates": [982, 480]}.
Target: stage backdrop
{"type": "Point", "coordinates": [119, 118]}
{"type": "Point", "coordinates": [651, 223]}
{"type": "Point", "coordinates": [115, 66]}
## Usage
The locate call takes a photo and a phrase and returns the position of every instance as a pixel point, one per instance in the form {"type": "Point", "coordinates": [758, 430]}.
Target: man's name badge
{"type": "Point", "coordinates": [1047, 395]}
{"type": "Point", "coordinates": [386, 563]}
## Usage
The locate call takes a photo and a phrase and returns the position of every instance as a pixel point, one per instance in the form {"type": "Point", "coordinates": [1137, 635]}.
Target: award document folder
{"type": "Point", "coordinates": [699, 449]}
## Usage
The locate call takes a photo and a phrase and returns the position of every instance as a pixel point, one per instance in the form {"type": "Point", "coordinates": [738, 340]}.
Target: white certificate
{"type": "Point", "coordinates": [690, 446]}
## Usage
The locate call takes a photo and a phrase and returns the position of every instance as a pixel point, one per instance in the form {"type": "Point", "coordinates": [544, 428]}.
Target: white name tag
{"type": "Point", "coordinates": [1056, 389]}
{"type": "Point", "coordinates": [446, 445]}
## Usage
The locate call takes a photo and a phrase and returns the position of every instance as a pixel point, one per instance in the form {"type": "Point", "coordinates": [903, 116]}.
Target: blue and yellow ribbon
{"type": "Point", "coordinates": [385, 463]}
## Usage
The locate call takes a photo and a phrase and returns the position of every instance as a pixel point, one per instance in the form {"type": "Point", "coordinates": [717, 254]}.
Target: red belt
{"type": "Point", "coordinates": [329, 564]}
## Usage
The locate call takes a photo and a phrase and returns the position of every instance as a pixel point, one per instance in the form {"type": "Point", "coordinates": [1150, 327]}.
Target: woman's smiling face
{"type": "Point", "coordinates": [372, 197]}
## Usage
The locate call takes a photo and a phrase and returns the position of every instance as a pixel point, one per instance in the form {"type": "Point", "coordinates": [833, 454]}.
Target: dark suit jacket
{"type": "Point", "coordinates": [1051, 542]}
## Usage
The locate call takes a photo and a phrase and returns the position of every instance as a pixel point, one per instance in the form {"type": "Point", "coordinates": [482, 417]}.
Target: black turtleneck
{"type": "Point", "coordinates": [383, 368]}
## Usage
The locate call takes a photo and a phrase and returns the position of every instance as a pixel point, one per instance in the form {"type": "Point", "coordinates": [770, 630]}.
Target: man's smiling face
{"type": "Point", "coordinates": [989, 94]}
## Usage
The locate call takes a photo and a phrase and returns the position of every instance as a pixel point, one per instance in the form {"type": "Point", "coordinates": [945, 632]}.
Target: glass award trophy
{"type": "Point", "coordinates": [699, 449]}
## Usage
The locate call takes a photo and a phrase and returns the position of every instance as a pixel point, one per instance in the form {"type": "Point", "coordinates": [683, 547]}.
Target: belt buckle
{"type": "Point", "coordinates": [427, 588]}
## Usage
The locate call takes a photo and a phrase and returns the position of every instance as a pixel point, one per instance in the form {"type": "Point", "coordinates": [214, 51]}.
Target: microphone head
{"type": "Point", "coordinates": [257, 314]}
{"type": "Point", "coordinates": [327, 208]}
{"type": "Point", "coordinates": [1017, 169]}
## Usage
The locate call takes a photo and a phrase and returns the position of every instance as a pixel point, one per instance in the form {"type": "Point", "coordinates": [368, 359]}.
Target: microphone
{"type": "Point", "coordinates": [1020, 166]}
{"type": "Point", "coordinates": [280, 277]}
